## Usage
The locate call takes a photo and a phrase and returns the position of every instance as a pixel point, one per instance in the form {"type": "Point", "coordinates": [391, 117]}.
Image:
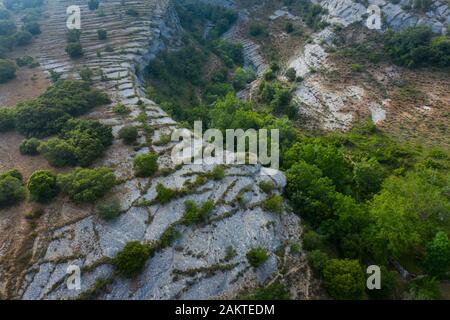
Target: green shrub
{"type": "Point", "coordinates": [7, 70]}
{"type": "Point", "coordinates": [437, 260]}
{"type": "Point", "coordinates": [218, 173]}
{"type": "Point", "coordinates": [43, 186]}
{"type": "Point", "coordinates": [93, 4]}
{"type": "Point", "coordinates": [291, 74]}
{"type": "Point", "coordinates": [121, 109]}
{"type": "Point", "coordinates": [128, 134]}
{"type": "Point", "coordinates": [87, 185]}
{"type": "Point", "coordinates": [355, 67]}
{"type": "Point", "coordinates": [12, 190]}
{"type": "Point", "coordinates": [7, 28]}
{"type": "Point", "coordinates": [317, 260]}
{"type": "Point", "coordinates": [25, 61]}
{"type": "Point", "coordinates": [86, 74]}
{"type": "Point", "coordinates": [23, 38]}
{"type": "Point", "coordinates": [312, 240]}
{"type": "Point", "coordinates": [194, 214]}
{"type": "Point", "coordinates": [256, 30]}
{"type": "Point", "coordinates": [102, 34]}
{"type": "Point", "coordinates": [145, 165]}
{"type": "Point", "coordinates": [169, 237]}
{"type": "Point", "coordinates": [7, 119]}
{"type": "Point", "coordinates": [74, 50]}
{"type": "Point", "coordinates": [289, 27]}
{"type": "Point", "coordinates": [32, 27]}
{"type": "Point", "coordinates": [424, 289]}
{"type": "Point", "coordinates": [273, 204]}
{"type": "Point", "coordinates": [110, 209]}
{"type": "Point", "coordinates": [131, 260]}
{"type": "Point", "coordinates": [267, 186]}
{"type": "Point", "coordinates": [344, 279]}
{"type": "Point", "coordinates": [275, 291]}
{"type": "Point", "coordinates": [30, 147]}
{"type": "Point", "coordinates": [257, 257]}
{"type": "Point", "coordinates": [164, 195]}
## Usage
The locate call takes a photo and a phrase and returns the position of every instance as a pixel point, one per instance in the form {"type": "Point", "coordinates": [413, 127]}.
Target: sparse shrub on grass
{"type": "Point", "coordinates": [194, 214]}
{"type": "Point", "coordinates": [12, 190]}
{"type": "Point", "coordinates": [109, 209]}
{"type": "Point", "coordinates": [145, 165]}
{"type": "Point", "coordinates": [87, 185]}
{"type": "Point", "coordinates": [128, 134]}
{"type": "Point", "coordinates": [164, 195]}
{"type": "Point", "coordinates": [131, 260]}
{"type": "Point", "coordinates": [273, 204]}
{"type": "Point", "coordinates": [43, 186]}
{"type": "Point", "coordinates": [257, 257]}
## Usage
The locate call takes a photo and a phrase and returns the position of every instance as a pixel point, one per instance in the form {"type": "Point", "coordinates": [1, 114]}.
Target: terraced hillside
{"type": "Point", "coordinates": [34, 262]}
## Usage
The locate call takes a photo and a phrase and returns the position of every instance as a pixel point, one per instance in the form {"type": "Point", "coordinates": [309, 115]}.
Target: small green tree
{"type": "Point", "coordinates": [131, 260]}
{"type": "Point", "coordinates": [291, 74]}
{"type": "Point", "coordinates": [74, 50]}
{"type": "Point", "coordinates": [437, 261]}
{"type": "Point", "coordinates": [344, 279]}
{"type": "Point", "coordinates": [128, 134]}
{"type": "Point", "coordinates": [257, 256]}
{"type": "Point", "coordinates": [145, 165]}
{"type": "Point", "coordinates": [43, 186]}
{"type": "Point", "coordinates": [12, 190]}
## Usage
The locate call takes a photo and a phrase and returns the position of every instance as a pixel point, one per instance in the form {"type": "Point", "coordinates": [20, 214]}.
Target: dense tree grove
{"type": "Point", "coordinates": [87, 185]}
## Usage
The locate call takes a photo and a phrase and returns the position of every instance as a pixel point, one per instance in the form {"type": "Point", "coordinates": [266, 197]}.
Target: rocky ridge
{"type": "Point", "coordinates": [194, 267]}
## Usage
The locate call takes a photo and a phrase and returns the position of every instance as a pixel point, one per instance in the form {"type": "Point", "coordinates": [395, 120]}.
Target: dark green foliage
{"type": "Point", "coordinates": [7, 119]}
{"type": "Point", "coordinates": [131, 12]}
{"type": "Point", "coordinates": [218, 173]}
{"type": "Point", "coordinates": [312, 240]}
{"type": "Point", "coordinates": [164, 195]}
{"type": "Point", "coordinates": [32, 27]}
{"type": "Point", "coordinates": [121, 109]}
{"type": "Point", "coordinates": [131, 260]}
{"type": "Point", "coordinates": [230, 53]}
{"type": "Point", "coordinates": [48, 114]}
{"type": "Point", "coordinates": [194, 214]}
{"type": "Point", "coordinates": [93, 4]}
{"type": "Point", "coordinates": [23, 38]}
{"type": "Point", "coordinates": [368, 176]}
{"type": "Point", "coordinates": [424, 289]}
{"type": "Point", "coordinates": [73, 36]}
{"type": "Point", "coordinates": [145, 165]}
{"type": "Point", "coordinates": [12, 190]}
{"type": "Point", "coordinates": [344, 279]}
{"type": "Point", "coordinates": [242, 77]}
{"type": "Point", "coordinates": [257, 257]}
{"type": "Point", "coordinates": [74, 50]}
{"type": "Point", "coordinates": [257, 30]}
{"type": "Point", "coordinates": [102, 34]}
{"type": "Point", "coordinates": [25, 61]}
{"type": "Point", "coordinates": [273, 204]}
{"type": "Point", "coordinates": [310, 192]}
{"type": "Point", "coordinates": [7, 28]}
{"type": "Point", "coordinates": [86, 74]}
{"type": "Point", "coordinates": [267, 186]}
{"type": "Point", "coordinates": [43, 186]}
{"type": "Point", "coordinates": [417, 46]}
{"type": "Point", "coordinates": [30, 147]}
{"type": "Point", "coordinates": [437, 261]}
{"type": "Point", "coordinates": [7, 70]}
{"type": "Point", "coordinates": [275, 291]}
{"type": "Point", "coordinates": [109, 209]}
{"type": "Point", "coordinates": [317, 260]}
{"type": "Point", "coordinates": [289, 27]}
{"type": "Point", "coordinates": [128, 134]}
{"type": "Point", "coordinates": [87, 185]}
{"type": "Point", "coordinates": [388, 285]}
{"type": "Point", "coordinates": [79, 143]}
{"type": "Point", "coordinates": [291, 74]}
{"type": "Point", "coordinates": [169, 237]}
